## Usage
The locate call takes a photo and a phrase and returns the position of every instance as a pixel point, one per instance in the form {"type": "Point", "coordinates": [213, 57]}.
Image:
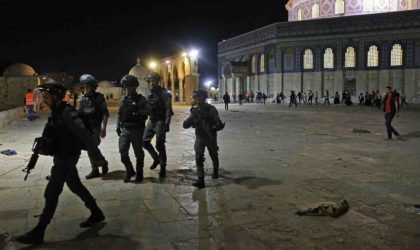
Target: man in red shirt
{"type": "Point", "coordinates": [390, 109]}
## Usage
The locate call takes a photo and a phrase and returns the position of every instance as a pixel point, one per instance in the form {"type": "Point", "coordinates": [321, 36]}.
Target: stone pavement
{"type": "Point", "coordinates": [274, 161]}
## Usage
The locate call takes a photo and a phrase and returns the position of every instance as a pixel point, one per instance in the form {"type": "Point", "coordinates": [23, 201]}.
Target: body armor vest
{"type": "Point", "coordinates": [130, 110]}
{"type": "Point", "coordinates": [89, 107]}
{"type": "Point", "coordinates": [63, 139]}
{"type": "Point", "coordinates": [156, 103]}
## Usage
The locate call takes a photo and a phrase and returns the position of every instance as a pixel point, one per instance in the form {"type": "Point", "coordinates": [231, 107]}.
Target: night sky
{"type": "Point", "coordinates": [104, 38]}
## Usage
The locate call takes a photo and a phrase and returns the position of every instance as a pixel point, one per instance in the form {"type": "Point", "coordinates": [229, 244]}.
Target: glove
{"type": "Point", "coordinates": [166, 129]}
{"type": "Point", "coordinates": [119, 132]}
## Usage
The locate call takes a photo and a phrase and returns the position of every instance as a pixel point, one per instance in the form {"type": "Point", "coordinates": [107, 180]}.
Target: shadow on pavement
{"type": "Point", "coordinates": [114, 175]}
{"type": "Point", "coordinates": [90, 239]}
{"type": "Point", "coordinates": [414, 134]}
{"type": "Point", "coordinates": [251, 182]}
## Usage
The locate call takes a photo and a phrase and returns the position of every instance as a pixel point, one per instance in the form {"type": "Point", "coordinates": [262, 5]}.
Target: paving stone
{"type": "Point", "coordinates": [300, 157]}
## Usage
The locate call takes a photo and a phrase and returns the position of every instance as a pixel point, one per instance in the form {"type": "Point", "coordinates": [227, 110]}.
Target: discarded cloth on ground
{"type": "Point", "coordinates": [328, 208]}
{"type": "Point", "coordinates": [8, 152]}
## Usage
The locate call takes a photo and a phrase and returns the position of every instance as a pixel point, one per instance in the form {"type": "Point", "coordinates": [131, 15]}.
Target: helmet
{"type": "Point", "coordinates": [87, 79]}
{"type": "Point", "coordinates": [53, 88]}
{"type": "Point", "coordinates": [129, 80]}
{"type": "Point", "coordinates": [152, 75]}
{"type": "Point", "coordinates": [200, 93]}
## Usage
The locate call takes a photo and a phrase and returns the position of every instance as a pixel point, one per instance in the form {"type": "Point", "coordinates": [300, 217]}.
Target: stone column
{"type": "Point", "coordinates": [191, 84]}
{"type": "Point", "coordinates": [173, 89]}
{"type": "Point", "coordinates": [181, 90]}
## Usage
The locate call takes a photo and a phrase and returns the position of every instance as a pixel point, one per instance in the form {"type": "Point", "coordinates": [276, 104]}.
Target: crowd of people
{"type": "Point", "coordinates": [372, 99]}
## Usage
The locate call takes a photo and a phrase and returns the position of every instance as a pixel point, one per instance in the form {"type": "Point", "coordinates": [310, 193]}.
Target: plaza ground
{"type": "Point", "coordinates": [274, 160]}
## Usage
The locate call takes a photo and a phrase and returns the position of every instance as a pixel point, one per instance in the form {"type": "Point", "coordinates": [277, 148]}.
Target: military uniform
{"type": "Point", "coordinates": [132, 115]}
{"type": "Point", "coordinates": [158, 124]}
{"type": "Point", "coordinates": [66, 135]}
{"type": "Point", "coordinates": [93, 106]}
{"type": "Point", "coordinates": [206, 121]}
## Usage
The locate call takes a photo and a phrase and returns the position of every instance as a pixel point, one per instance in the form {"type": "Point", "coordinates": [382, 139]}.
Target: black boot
{"type": "Point", "coordinates": [162, 172]}
{"type": "Point", "coordinates": [129, 173]}
{"type": "Point", "coordinates": [35, 236]}
{"type": "Point", "coordinates": [154, 164]}
{"type": "Point", "coordinates": [105, 168]}
{"type": "Point", "coordinates": [200, 183]}
{"type": "Point", "coordinates": [93, 174]}
{"type": "Point", "coordinates": [215, 174]}
{"type": "Point", "coordinates": [139, 174]}
{"type": "Point", "coordinates": [93, 219]}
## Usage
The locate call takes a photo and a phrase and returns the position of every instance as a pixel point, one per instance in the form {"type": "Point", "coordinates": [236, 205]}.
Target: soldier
{"type": "Point", "coordinates": [206, 121]}
{"type": "Point", "coordinates": [158, 123]}
{"type": "Point", "coordinates": [132, 116]}
{"type": "Point", "coordinates": [64, 137]}
{"type": "Point", "coordinates": [93, 107]}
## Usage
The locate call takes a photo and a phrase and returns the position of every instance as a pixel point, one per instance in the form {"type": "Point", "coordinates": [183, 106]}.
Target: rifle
{"type": "Point", "coordinates": [200, 121]}
{"type": "Point", "coordinates": [34, 158]}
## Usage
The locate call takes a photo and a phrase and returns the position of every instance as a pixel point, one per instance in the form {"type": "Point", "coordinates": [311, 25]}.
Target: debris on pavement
{"type": "Point", "coordinates": [333, 209]}
{"type": "Point", "coordinates": [414, 209]}
{"type": "Point", "coordinates": [8, 152]}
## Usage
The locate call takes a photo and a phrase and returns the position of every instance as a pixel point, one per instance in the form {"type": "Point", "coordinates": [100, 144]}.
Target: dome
{"type": "Point", "coordinates": [19, 69]}
{"type": "Point", "coordinates": [105, 84]}
{"type": "Point", "coordinates": [314, 9]}
{"type": "Point", "coordinates": [138, 71]}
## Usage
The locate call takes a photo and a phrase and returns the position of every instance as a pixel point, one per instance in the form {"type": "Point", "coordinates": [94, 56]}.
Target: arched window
{"type": "Point", "coordinates": [393, 5]}
{"type": "Point", "coordinates": [373, 56]}
{"type": "Point", "coordinates": [397, 55]}
{"type": "Point", "coordinates": [254, 65]}
{"type": "Point", "coordinates": [299, 14]}
{"type": "Point", "coordinates": [339, 7]}
{"type": "Point", "coordinates": [328, 58]}
{"type": "Point", "coordinates": [262, 65]}
{"type": "Point", "coordinates": [410, 4]}
{"type": "Point", "coordinates": [308, 59]}
{"type": "Point", "coordinates": [350, 58]}
{"type": "Point", "coordinates": [315, 10]}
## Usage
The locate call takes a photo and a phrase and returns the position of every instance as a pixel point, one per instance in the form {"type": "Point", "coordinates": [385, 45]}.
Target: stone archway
{"type": "Point", "coordinates": [227, 74]}
{"type": "Point", "coordinates": [179, 75]}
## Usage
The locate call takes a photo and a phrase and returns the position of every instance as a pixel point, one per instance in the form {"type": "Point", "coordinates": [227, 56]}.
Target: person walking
{"type": "Point", "coordinates": [29, 103]}
{"type": "Point", "coordinates": [327, 98]}
{"type": "Point", "coordinates": [226, 100]}
{"type": "Point", "coordinates": [159, 121]}
{"type": "Point", "coordinates": [132, 115]}
{"type": "Point", "coordinates": [391, 109]}
{"type": "Point", "coordinates": [93, 107]}
{"type": "Point", "coordinates": [206, 121]}
{"type": "Point", "coordinates": [63, 138]}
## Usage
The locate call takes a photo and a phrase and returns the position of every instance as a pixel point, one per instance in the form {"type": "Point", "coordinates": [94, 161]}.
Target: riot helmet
{"type": "Point", "coordinates": [129, 80]}
{"type": "Point", "coordinates": [54, 88]}
{"type": "Point", "coordinates": [200, 93]}
{"type": "Point", "coordinates": [87, 79]}
{"type": "Point", "coordinates": [152, 76]}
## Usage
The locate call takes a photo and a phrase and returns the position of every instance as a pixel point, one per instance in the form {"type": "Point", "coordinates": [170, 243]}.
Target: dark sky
{"type": "Point", "coordinates": [104, 38]}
